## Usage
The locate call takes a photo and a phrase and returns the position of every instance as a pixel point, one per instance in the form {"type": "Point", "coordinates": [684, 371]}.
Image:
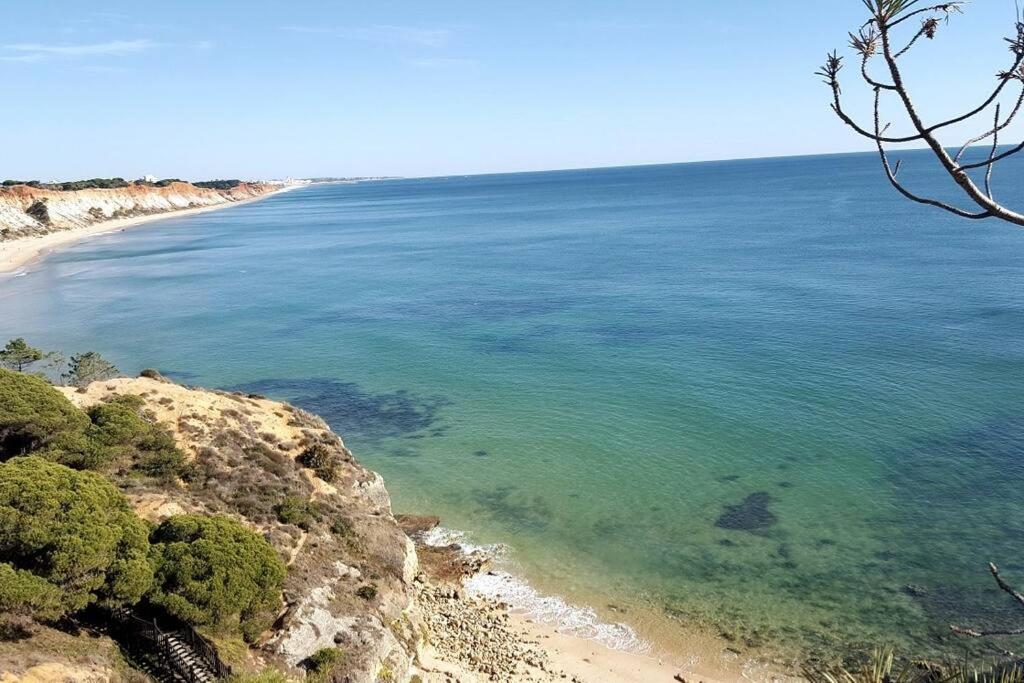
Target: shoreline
{"type": "Point", "coordinates": [572, 639]}
{"type": "Point", "coordinates": [23, 251]}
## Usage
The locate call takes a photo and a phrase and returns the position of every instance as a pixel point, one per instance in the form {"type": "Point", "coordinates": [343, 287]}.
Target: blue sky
{"type": "Point", "coordinates": [202, 89]}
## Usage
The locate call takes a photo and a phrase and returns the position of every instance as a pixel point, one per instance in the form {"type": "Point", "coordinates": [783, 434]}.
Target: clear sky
{"type": "Point", "coordinates": [267, 88]}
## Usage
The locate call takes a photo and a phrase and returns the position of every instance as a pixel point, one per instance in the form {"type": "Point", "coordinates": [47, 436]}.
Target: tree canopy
{"type": "Point", "coordinates": [214, 571]}
{"type": "Point", "coordinates": [18, 355]}
{"type": "Point", "coordinates": [118, 438]}
{"type": "Point", "coordinates": [72, 530]}
{"type": "Point", "coordinates": [88, 367]}
{"type": "Point", "coordinates": [33, 413]}
{"type": "Point", "coordinates": [893, 30]}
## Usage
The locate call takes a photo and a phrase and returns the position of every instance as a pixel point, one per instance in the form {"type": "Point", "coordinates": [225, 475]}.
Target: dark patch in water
{"type": "Point", "coordinates": [627, 334]}
{"type": "Point", "coordinates": [496, 344]}
{"type": "Point", "coordinates": [180, 376]}
{"type": "Point", "coordinates": [729, 478]}
{"type": "Point", "coordinates": [727, 543]}
{"type": "Point", "coordinates": [522, 343]}
{"type": "Point", "coordinates": [481, 453]}
{"type": "Point", "coordinates": [750, 515]}
{"type": "Point", "coordinates": [517, 510]}
{"type": "Point", "coordinates": [785, 484]}
{"type": "Point", "coordinates": [404, 452]}
{"type": "Point", "coordinates": [609, 527]}
{"type": "Point", "coordinates": [358, 414]}
{"type": "Point", "coordinates": [824, 542]}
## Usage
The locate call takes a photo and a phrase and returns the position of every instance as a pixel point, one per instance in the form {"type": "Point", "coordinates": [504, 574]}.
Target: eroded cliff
{"type": "Point", "coordinates": [351, 569]}
{"type": "Point", "coordinates": [29, 211]}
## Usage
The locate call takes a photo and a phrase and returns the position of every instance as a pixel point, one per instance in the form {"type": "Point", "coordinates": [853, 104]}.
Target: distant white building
{"type": "Point", "coordinates": [149, 178]}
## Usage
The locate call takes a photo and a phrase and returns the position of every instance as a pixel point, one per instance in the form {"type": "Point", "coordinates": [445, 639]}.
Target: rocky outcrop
{"type": "Point", "coordinates": [27, 211]}
{"type": "Point", "coordinates": [351, 569]}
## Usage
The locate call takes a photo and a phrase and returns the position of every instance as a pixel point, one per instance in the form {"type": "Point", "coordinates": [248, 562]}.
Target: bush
{"type": "Point", "coordinates": [298, 511]}
{"type": "Point", "coordinates": [218, 184]}
{"type": "Point", "coordinates": [23, 595]}
{"type": "Point", "coordinates": [120, 436]}
{"type": "Point", "coordinates": [39, 211]}
{"type": "Point", "coordinates": [73, 530]}
{"type": "Point", "coordinates": [323, 662]}
{"type": "Point", "coordinates": [342, 526]}
{"type": "Point", "coordinates": [32, 414]}
{"type": "Point", "coordinates": [212, 571]}
{"type": "Point", "coordinates": [322, 460]}
{"type": "Point", "coordinates": [367, 592]}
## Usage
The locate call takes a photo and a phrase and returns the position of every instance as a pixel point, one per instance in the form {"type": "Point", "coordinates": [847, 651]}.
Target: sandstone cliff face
{"type": "Point", "coordinates": [246, 453]}
{"type": "Point", "coordinates": [21, 216]}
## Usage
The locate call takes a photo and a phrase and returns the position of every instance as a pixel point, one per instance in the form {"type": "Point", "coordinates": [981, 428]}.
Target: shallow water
{"type": "Point", "coordinates": [766, 397]}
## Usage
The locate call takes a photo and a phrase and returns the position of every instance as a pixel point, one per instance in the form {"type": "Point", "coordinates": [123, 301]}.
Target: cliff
{"type": "Point", "coordinates": [351, 570]}
{"type": "Point", "coordinates": [27, 211]}
{"type": "Point", "coordinates": [355, 582]}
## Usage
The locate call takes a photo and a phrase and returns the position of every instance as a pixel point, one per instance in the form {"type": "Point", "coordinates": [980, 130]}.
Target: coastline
{"type": "Point", "coordinates": [22, 251]}
{"type": "Point", "coordinates": [558, 639]}
{"type": "Point", "coordinates": [577, 656]}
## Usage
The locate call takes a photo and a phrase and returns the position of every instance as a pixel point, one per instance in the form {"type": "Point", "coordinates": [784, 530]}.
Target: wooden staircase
{"type": "Point", "coordinates": [185, 661]}
{"type": "Point", "coordinates": [183, 654]}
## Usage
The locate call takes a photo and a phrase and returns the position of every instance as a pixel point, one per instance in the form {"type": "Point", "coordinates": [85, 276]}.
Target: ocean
{"type": "Point", "coordinates": [765, 400]}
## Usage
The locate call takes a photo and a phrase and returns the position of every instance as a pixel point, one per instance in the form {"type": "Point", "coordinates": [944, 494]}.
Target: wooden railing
{"type": "Point", "coordinates": [205, 651]}
{"type": "Point", "coordinates": [147, 629]}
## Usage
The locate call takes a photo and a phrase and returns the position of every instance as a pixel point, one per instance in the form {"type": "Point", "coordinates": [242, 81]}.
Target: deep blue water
{"type": "Point", "coordinates": [769, 398]}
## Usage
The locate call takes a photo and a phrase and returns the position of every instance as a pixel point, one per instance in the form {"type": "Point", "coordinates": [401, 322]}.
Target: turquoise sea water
{"type": "Point", "coordinates": [769, 398]}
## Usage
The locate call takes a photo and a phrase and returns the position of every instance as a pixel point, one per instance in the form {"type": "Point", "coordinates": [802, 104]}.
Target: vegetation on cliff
{"type": "Point", "coordinates": [69, 538]}
{"type": "Point", "coordinates": [241, 517]}
{"type": "Point", "coordinates": [214, 571]}
{"type": "Point", "coordinates": [114, 183]}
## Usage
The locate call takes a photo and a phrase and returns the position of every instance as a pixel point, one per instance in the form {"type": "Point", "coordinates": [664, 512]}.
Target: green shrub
{"type": "Point", "coordinates": [73, 530]}
{"type": "Point", "coordinates": [39, 211]}
{"type": "Point", "coordinates": [298, 511]}
{"type": "Point", "coordinates": [25, 595]}
{"type": "Point", "coordinates": [367, 592]}
{"type": "Point", "coordinates": [323, 662]}
{"type": "Point", "coordinates": [342, 526]}
{"type": "Point", "coordinates": [119, 436]}
{"type": "Point", "coordinates": [322, 460]}
{"type": "Point", "coordinates": [33, 413]}
{"type": "Point", "coordinates": [265, 676]}
{"type": "Point", "coordinates": [214, 571]}
{"type": "Point", "coordinates": [218, 184]}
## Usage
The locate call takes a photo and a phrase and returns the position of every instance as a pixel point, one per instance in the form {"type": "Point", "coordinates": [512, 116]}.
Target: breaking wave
{"type": "Point", "coordinates": [524, 599]}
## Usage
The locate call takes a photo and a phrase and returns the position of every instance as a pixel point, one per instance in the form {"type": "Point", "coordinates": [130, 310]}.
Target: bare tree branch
{"type": "Point", "coordinates": [998, 127]}
{"type": "Point", "coordinates": [892, 173]}
{"type": "Point", "coordinates": [875, 38]}
{"type": "Point", "coordinates": [1016, 595]}
{"type": "Point", "coordinates": [999, 157]}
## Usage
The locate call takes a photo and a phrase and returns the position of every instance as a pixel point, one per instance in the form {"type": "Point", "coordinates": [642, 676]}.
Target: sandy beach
{"type": "Point", "coordinates": [17, 253]}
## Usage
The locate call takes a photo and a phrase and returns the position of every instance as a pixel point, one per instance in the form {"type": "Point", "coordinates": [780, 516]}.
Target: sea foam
{"type": "Point", "coordinates": [524, 599]}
